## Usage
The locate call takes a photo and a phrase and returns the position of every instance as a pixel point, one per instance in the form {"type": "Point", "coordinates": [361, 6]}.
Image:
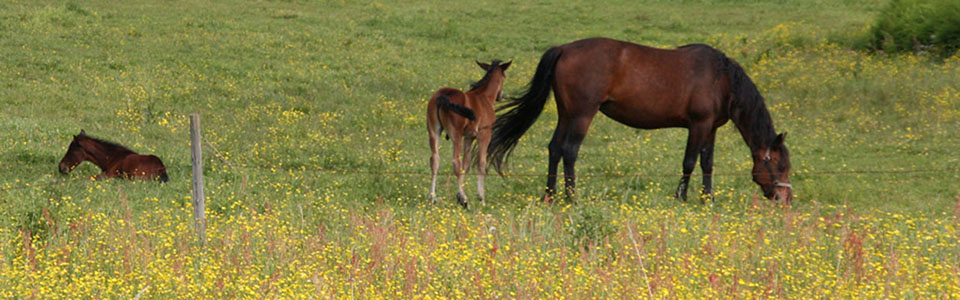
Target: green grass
{"type": "Point", "coordinates": [285, 88]}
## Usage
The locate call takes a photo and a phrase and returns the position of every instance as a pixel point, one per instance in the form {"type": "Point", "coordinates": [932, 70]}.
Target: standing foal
{"type": "Point", "coordinates": [467, 116]}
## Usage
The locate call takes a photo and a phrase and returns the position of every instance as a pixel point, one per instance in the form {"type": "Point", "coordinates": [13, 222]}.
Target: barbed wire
{"type": "Point", "coordinates": [219, 155]}
{"type": "Point", "coordinates": [633, 175]}
{"type": "Point", "coordinates": [629, 175]}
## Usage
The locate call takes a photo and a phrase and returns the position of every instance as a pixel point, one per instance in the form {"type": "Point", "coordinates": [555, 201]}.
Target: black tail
{"type": "Point", "coordinates": [510, 126]}
{"type": "Point", "coordinates": [163, 177]}
{"type": "Point", "coordinates": [444, 102]}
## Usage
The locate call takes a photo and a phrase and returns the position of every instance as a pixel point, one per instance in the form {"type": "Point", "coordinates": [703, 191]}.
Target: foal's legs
{"type": "Point", "coordinates": [467, 149]}
{"type": "Point", "coordinates": [467, 161]}
{"type": "Point", "coordinates": [434, 132]}
{"type": "Point", "coordinates": [459, 167]}
{"type": "Point", "coordinates": [483, 141]}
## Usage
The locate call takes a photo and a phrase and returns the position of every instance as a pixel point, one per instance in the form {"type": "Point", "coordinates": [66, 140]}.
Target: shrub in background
{"type": "Point", "coordinates": [918, 26]}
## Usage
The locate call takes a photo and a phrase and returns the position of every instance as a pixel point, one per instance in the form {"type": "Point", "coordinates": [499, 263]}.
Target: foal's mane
{"type": "Point", "coordinates": [110, 146]}
{"type": "Point", "coordinates": [486, 77]}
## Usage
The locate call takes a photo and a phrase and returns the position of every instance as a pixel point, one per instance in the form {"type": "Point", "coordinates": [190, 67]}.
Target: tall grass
{"type": "Point", "coordinates": [286, 89]}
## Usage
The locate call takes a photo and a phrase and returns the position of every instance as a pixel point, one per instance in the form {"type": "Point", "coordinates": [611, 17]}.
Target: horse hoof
{"type": "Point", "coordinates": [682, 192]}
{"type": "Point", "coordinates": [462, 200]}
{"type": "Point", "coordinates": [570, 199]}
{"type": "Point", "coordinates": [706, 197]}
{"type": "Point", "coordinates": [432, 198]}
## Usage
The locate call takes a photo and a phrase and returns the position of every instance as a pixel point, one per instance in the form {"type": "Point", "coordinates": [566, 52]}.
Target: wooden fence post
{"type": "Point", "coordinates": [199, 203]}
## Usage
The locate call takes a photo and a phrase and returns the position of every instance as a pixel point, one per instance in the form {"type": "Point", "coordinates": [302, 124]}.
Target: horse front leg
{"type": "Point", "coordinates": [689, 162]}
{"type": "Point", "coordinates": [706, 165]}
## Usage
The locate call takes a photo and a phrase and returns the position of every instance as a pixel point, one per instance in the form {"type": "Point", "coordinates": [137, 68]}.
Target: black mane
{"type": "Point", "coordinates": [747, 108]}
{"type": "Point", "coordinates": [486, 77]}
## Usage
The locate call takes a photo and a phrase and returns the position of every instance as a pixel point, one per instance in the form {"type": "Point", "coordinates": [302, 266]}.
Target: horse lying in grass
{"type": "Point", "coordinates": [467, 117]}
{"type": "Point", "coordinates": [694, 87]}
{"type": "Point", "coordinates": [113, 159]}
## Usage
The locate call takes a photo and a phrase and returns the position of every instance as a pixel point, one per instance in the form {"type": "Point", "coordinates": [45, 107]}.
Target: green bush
{"type": "Point", "coordinates": [919, 26]}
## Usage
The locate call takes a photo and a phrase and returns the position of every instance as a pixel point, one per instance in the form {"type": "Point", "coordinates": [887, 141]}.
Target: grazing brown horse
{"type": "Point", "coordinates": [113, 159]}
{"type": "Point", "coordinates": [694, 86]}
{"type": "Point", "coordinates": [467, 117]}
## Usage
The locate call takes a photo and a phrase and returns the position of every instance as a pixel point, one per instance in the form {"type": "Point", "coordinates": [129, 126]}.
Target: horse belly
{"type": "Point", "coordinates": [645, 116]}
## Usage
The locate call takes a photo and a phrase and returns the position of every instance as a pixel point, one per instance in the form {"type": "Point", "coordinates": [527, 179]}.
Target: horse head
{"type": "Point", "coordinates": [771, 170]}
{"type": "Point", "coordinates": [499, 72]}
{"type": "Point", "coordinates": [75, 154]}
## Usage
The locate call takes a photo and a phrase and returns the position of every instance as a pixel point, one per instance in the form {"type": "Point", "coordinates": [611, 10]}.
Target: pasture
{"type": "Point", "coordinates": [317, 162]}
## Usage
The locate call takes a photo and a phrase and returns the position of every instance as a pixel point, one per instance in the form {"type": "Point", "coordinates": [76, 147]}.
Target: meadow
{"type": "Point", "coordinates": [316, 156]}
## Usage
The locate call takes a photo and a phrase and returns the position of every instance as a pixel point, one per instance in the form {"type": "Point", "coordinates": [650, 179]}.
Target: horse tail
{"type": "Point", "coordinates": [525, 110]}
{"type": "Point", "coordinates": [443, 101]}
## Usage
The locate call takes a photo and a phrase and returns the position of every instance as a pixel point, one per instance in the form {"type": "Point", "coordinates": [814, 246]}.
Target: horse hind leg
{"type": "Point", "coordinates": [466, 162]}
{"type": "Point", "coordinates": [458, 167]}
{"type": "Point", "coordinates": [483, 142]}
{"type": "Point", "coordinates": [556, 153]}
{"type": "Point", "coordinates": [570, 151]}
{"type": "Point", "coordinates": [434, 132]}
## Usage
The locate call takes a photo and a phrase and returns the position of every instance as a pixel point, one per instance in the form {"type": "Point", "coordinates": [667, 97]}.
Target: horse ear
{"type": "Point", "coordinates": [779, 141]}
{"type": "Point", "coordinates": [82, 132]}
{"type": "Point", "coordinates": [483, 65]}
{"type": "Point", "coordinates": [504, 67]}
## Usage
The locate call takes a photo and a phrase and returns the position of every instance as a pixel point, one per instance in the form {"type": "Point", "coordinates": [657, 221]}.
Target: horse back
{"type": "Point", "coordinates": [448, 119]}
{"type": "Point", "coordinates": [455, 95]}
{"type": "Point", "coordinates": [148, 166]}
{"type": "Point", "coordinates": [641, 86]}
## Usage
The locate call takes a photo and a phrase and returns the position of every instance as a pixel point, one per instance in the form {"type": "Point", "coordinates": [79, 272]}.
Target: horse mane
{"type": "Point", "coordinates": [486, 77]}
{"type": "Point", "coordinates": [110, 145]}
{"type": "Point", "coordinates": [747, 108]}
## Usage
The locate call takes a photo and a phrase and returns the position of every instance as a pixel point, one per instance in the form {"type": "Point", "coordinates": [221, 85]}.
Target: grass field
{"type": "Point", "coordinates": [286, 89]}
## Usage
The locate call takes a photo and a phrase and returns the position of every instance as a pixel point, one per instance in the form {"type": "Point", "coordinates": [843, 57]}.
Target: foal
{"type": "Point", "coordinates": [467, 116]}
{"type": "Point", "coordinates": [113, 159]}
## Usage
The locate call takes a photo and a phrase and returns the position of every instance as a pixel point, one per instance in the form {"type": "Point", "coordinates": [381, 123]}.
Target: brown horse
{"type": "Point", "coordinates": [694, 86]}
{"type": "Point", "coordinates": [113, 159]}
{"type": "Point", "coordinates": [467, 117]}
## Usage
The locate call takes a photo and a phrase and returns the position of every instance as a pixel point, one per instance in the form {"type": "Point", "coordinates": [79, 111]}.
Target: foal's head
{"type": "Point", "coordinates": [495, 75]}
{"type": "Point", "coordinates": [771, 170]}
{"type": "Point", "coordinates": [76, 154]}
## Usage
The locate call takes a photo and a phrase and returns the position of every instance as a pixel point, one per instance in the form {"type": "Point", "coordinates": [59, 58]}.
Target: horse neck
{"type": "Point", "coordinates": [754, 123]}
{"type": "Point", "coordinates": [490, 89]}
{"type": "Point", "coordinates": [101, 154]}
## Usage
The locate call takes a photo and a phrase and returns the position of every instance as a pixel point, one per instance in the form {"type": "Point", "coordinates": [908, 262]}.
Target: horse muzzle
{"type": "Point", "coordinates": [64, 170]}
{"type": "Point", "coordinates": [783, 193]}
